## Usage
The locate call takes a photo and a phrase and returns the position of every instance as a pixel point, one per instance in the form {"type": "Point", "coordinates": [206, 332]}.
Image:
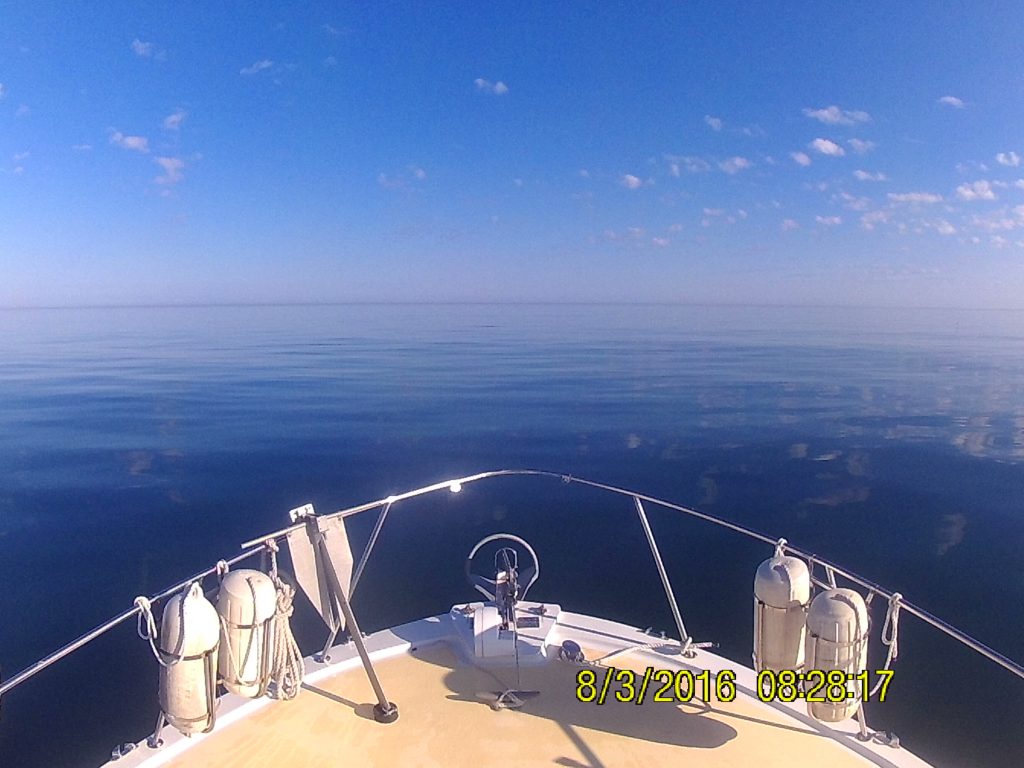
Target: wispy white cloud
{"type": "Point", "coordinates": [872, 219]}
{"type": "Point", "coordinates": [402, 180]}
{"type": "Point", "coordinates": [256, 67]}
{"type": "Point", "coordinates": [801, 158]}
{"type": "Point", "coordinates": [661, 242]}
{"type": "Point", "coordinates": [498, 88]}
{"type": "Point", "coordinates": [174, 120]}
{"type": "Point", "coordinates": [1008, 158]}
{"type": "Point", "coordinates": [952, 101]}
{"type": "Point", "coordinates": [23, 110]}
{"type": "Point", "coordinates": [852, 202]}
{"type": "Point", "coordinates": [634, 234]}
{"type": "Point", "coordinates": [861, 146]}
{"type": "Point", "coordinates": [82, 147]}
{"type": "Point", "coordinates": [915, 198]}
{"type": "Point", "coordinates": [788, 225]}
{"type": "Point", "coordinates": [971, 166]}
{"type": "Point", "coordinates": [976, 190]}
{"type": "Point", "coordinates": [148, 50]}
{"type": "Point", "coordinates": [829, 221]}
{"type": "Point", "coordinates": [827, 147]}
{"type": "Point", "coordinates": [330, 61]}
{"type": "Point", "coordinates": [714, 123]}
{"type": "Point", "coordinates": [866, 176]}
{"type": "Point", "coordinates": [3, 90]}
{"type": "Point", "coordinates": [19, 156]}
{"type": "Point", "coordinates": [134, 143]}
{"type": "Point", "coordinates": [689, 163]}
{"type": "Point", "coordinates": [943, 227]}
{"type": "Point", "coordinates": [709, 215]}
{"type": "Point", "coordinates": [1002, 220]}
{"type": "Point", "coordinates": [734, 165]}
{"type": "Point", "coordinates": [629, 181]}
{"type": "Point", "coordinates": [584, 173]}
{"type": "Point", "coordinates": [173, 167]}
{"type": "Point", "coordinates": [332, 30]}
{"type": "Point", "coordinates": [833, 115]}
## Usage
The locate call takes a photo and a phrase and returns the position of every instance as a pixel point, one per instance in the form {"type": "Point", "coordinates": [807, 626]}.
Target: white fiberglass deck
{"type": "Point", "coordinates": [447, 718]}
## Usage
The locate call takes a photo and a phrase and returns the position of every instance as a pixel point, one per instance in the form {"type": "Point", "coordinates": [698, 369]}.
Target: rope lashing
{"type": "Point", "coordinates": [235, 668]}
{"type": "Point", "coordinates": [780, 547]}
{"type": "Point", "coordinates": [891, 628]}
{"type": "Point", "coordinates": [273, 548]}
{"type": "Point", "coordinates": [286, 669]}
{"type": "Point", "coordinates": [146, 628]}
{"type": "Point", "coordinates": [222, 570]}
{"type": "Point", "coordinates": [890, 635]}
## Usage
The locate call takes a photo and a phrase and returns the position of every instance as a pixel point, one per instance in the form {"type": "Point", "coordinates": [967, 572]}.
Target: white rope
{"type": "Point", "coordinates": [890, 636]}
{"type": "Point", "coordinates": [286, 669]}
{"type": "Point", "coordinates": [146, 628]}
{"type": "Point", "coordinates": [601, 660]}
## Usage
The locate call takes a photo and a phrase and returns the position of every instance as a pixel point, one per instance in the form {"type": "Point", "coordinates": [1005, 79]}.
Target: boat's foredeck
{"type": "Point", "coordinates": [447, 716]}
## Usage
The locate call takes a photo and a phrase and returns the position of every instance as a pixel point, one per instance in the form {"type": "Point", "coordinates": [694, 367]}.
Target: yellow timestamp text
{"type": "Point", "coordinates": [662, 685]}
{"type": "Point", "coordinates": [819, 686]}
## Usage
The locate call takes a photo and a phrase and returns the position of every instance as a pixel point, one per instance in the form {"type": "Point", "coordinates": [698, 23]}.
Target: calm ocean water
{"type": "Point", "coordinates": [138, 446]}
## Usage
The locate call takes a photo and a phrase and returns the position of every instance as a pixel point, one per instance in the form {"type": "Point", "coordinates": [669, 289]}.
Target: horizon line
{"type": "Point", "coordinates": [494, 302]}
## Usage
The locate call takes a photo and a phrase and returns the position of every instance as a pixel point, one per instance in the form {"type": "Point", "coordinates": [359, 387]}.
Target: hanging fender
{"type": "Point", "coordinates": [189, 638]}
{"type": "Point", "coordinates": [246, 604]}
{"type": "Point", "coordinates": [837, 640]}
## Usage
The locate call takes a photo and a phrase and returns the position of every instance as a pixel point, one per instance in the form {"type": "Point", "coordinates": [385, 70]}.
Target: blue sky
{"type": "Point", "coordinates": [845, 153]}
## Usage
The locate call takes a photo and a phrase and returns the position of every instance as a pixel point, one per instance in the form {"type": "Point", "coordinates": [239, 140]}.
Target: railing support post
{"type": "Point", "coordinates": [684, 638]}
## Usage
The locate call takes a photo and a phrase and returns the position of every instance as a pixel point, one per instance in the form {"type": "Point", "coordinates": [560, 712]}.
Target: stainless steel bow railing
{"type": "Point", "coordinates": [260, 544]}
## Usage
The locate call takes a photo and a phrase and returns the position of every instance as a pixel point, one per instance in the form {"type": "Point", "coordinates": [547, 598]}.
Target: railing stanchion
{"type": "Point", "coordinates": [684, 638]}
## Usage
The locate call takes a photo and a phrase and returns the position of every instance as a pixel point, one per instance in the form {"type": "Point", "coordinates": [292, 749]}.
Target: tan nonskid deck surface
{"type": "Point", "coordinates": [447, 719]}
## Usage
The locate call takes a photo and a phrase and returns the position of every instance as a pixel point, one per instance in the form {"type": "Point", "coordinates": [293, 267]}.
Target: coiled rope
{"type": "Point", "coordinates": [286, 669]}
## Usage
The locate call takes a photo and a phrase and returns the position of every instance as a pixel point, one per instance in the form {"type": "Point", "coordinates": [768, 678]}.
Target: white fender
{"type": "Point", "coordinates": [188, 677]}
{"type": "Point", "coordinates": [837, 639]}
{"type": "Point", "coordinates": [782, 590]}
{"type": "Point", "coordinates": [246, 604]}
